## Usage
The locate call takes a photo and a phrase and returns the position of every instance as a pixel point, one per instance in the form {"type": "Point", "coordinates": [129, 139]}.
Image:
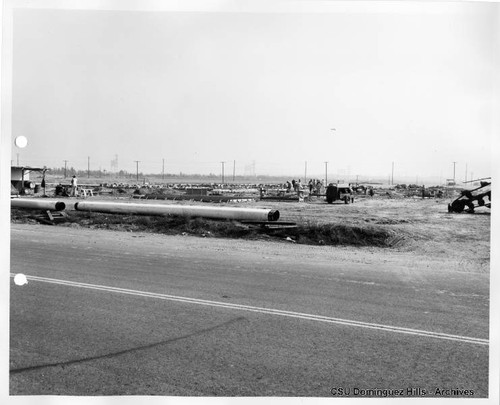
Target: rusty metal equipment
{"type": "Point", "coordinates": [478, 197]}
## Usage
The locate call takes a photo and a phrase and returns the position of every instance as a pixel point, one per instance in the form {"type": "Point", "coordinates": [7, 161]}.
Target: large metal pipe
{"type": "Point", "coordinates": [42, 204]}
{"type": "Point", "coordinates": [248, 214]}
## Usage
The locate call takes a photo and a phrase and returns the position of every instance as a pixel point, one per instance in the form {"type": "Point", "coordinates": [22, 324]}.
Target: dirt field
{"type": "Point", "coordinates": [419, 226]}
{"type": "Point", "coordinates": [423, 226]}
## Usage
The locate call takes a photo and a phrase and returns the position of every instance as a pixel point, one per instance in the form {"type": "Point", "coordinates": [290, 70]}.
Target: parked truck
{"type": "Point", "coordinates": [339, 192]}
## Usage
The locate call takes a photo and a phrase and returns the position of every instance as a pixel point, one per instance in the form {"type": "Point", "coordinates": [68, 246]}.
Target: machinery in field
{"type": "Point", "coordinates": [339, 192]}
{"type": "Point", "coordinates": [478, 197]}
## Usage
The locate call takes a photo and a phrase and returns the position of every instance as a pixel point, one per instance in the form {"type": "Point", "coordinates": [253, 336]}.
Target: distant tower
{"type": "Point", "coordinates": [114, 164]}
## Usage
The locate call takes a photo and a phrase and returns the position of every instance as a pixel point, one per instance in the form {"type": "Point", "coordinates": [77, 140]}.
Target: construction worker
{"type": "Point", "coordinates": [74, 186]}
{"type": "Point", "coordinates": [43, 183]}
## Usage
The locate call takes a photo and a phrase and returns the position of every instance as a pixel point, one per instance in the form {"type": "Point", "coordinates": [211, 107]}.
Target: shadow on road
{"type": "Point", "coordinates": [121, 352]}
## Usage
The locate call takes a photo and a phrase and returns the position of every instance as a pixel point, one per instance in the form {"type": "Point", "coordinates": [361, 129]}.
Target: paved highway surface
{"type": "Point", "coordinates": [116, 313]}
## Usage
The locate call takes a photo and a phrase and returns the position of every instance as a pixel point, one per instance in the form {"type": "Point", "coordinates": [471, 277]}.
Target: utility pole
{"type": "Point", "coordinates": [17, 158]}
{"type": "Point", "coordinates": [454, 163]}
{"type": "Point", "coordinates": [222, 172]}
{"type": "Point", "coordinates": [137, 168]}
{"type": "Point", "coordinates": [163, 170]}
{"type": "Point", "coordinates": [88, 166]}
{"type": "Point", "coordinates": [65, 162]}
{"type": "Point", "coordinates": [234, 169]}
{"type": "Point", "coordinates": [305, 172]}
{"type": "Point", "coordinates": [392, 175]}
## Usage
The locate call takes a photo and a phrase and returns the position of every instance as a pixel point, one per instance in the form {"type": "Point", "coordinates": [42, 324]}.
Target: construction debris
{"type": "Point", "coordinates": [194, 197]}
{"type": "Point", "coordinates": [50, 218]}
{"type": "Point", "coordinates": [270, 224]}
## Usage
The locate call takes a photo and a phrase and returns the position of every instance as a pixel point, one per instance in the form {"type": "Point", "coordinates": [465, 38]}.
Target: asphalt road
{"type": "Point", "coordinates": [116, 313]}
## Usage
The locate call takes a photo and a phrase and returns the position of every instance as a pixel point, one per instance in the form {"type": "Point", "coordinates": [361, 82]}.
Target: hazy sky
{"type": "Point", "coordinates": [197, 88]}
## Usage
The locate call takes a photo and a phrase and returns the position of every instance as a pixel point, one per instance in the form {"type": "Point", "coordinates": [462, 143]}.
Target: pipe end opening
{"type": "Point", "coordinates": [59, 206]}
{"type": "Point", "coordinates": [273, 215]}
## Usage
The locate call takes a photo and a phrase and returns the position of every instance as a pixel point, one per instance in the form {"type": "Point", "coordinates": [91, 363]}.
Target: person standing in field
{"type": "Point", "coordinates": [74, 186]}
{"type": "Point", "coordinates": [43, 183]}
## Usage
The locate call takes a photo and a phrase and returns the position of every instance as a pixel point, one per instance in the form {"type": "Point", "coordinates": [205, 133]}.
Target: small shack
{"type": "Point", "coordinates": [20, 178]}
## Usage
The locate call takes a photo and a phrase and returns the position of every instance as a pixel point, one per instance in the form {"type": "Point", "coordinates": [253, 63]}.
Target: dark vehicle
{"type": "Point", "coordinates": [479, 197]}
{"type": "Point", "coordinates": [339, 192]}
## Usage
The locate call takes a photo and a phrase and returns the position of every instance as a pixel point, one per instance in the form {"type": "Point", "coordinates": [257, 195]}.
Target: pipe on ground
{"type": "Point", "coordinates": [248, 214]}
{"type": "Point", "coordinates": [42, 204]}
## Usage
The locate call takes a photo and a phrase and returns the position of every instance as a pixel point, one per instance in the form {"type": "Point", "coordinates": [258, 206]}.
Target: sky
{"type": "Point", "coordinates": [359, 89]}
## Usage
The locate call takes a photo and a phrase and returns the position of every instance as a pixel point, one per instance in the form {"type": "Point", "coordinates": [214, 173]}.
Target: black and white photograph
{"type": "Point", "coordinates": [239, 201]}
